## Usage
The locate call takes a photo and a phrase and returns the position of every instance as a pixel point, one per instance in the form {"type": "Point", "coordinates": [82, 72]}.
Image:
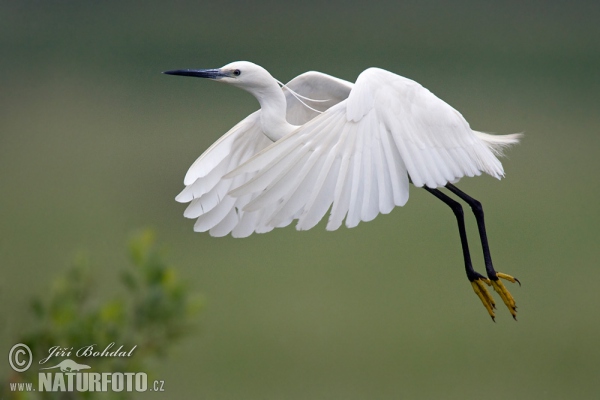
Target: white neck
{"type": "Point", "coordinates": [272, 111]}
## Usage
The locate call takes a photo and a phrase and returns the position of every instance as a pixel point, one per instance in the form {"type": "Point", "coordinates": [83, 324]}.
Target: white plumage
{"type": "Point", "coordinates": [320, 143]}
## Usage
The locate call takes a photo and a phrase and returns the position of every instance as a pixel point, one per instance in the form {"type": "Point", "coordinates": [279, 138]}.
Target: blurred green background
{"type": "Point", "coordinates": [94, 143]}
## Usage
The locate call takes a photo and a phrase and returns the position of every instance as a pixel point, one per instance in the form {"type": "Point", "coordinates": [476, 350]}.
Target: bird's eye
{"type": "Point", "coordinates": [237, 72]}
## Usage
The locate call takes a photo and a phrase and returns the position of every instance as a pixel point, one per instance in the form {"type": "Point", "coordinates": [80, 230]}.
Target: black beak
{"type": "Point", "coordinates": [198, 73]}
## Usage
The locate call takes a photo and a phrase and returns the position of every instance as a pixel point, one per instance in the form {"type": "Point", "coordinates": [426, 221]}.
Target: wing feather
{"type": "Point", "coordinates": [367, 173]}
{"type": "Point", "coordinates": [207, 191]}
{"type": "Point", "coordinates": [226, 225]}
{"type": "Point", "coordinates": [341, 195]}
{"type": "Point", "coordinates": [355, 205]}
{"type": "Point", "coordinates": [207, 182]}
{"type": "Point", "coordinates": [384, 183]}
{"type": "Point", "coordinates": [220, 149]}
{"type": "Point", "coordinates": [396, 168]}
{"type": "Point", "coordinates": [357, 156]}
{"type": "Point", "coordinates": [323, 192]}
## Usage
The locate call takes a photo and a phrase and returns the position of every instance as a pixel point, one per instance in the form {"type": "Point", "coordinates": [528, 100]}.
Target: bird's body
{"type": "Point", "coordinates": [320, 143]}
{"type": "Point", "coordinates": [365, 140]}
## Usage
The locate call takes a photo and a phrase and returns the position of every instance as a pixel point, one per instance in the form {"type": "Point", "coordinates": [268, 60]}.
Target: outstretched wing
{"type": "Point", "coordinates": [323, 91]}
{"type": "Point", "coordinates": [207, 191]}
{"type": "Point", "coordinates": [357, 156]}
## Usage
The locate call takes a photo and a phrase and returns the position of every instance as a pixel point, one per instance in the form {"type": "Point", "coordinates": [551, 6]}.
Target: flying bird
{"type": "Point", "coordinates": [320, 143]}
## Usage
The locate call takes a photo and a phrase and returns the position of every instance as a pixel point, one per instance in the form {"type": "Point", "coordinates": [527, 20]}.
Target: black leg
{"type": "Point", "coordinates": [478, 212]}
{"type": "Point", "coordinates": [458, 212]}
{"type": "Point", "coordinates": [478, 282]}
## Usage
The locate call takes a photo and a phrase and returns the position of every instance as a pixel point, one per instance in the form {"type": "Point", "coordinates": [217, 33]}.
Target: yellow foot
{"type": "Point", "coordinates": [484, 295]}
{"type": "Point", "coordinates": [504, 293]}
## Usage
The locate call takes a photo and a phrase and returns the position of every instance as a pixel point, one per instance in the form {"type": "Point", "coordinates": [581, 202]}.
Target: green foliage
{"type": "Point", "coordinates": [156, 311]}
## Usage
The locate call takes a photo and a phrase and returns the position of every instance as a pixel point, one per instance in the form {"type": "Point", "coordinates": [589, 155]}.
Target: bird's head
{"type": "Point", "coordinates": [243, 74]}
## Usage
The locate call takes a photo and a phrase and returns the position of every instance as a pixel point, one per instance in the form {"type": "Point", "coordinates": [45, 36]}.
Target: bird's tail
{"type": "Point", "coordinates": [497, 143]}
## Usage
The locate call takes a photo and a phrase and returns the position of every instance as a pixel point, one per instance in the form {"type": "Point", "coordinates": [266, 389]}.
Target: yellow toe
{"type": "Point", "coordinates": [484, 295]}
{"type": "Point", "coordinates": [507, 298]}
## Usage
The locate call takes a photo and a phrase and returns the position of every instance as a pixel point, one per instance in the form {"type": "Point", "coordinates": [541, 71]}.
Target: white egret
{"type": "Point", "coordinates": [320, 143]}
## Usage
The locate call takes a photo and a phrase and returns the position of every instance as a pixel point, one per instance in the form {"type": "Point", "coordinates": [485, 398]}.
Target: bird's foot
{"type": "Point", "coordinates": [484, 294]}
{"type": "Point", "coordinates": [507, 298]}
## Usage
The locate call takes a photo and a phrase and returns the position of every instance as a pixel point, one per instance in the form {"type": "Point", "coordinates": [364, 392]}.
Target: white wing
{"type": "Point", "coordinates": [207, 191]}
{"type": "Point", "coordinates": [326, 90]}
{"type": "Point", "coordinates": [357, 156]}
